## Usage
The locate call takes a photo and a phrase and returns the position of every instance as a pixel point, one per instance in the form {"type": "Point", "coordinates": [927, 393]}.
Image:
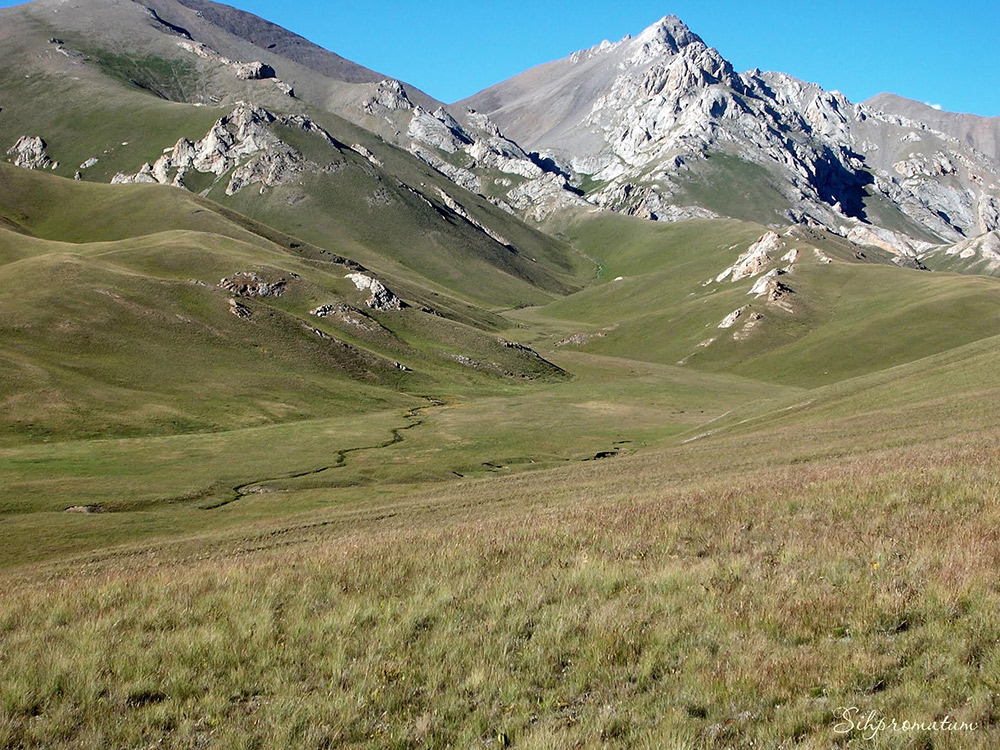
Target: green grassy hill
{"type": "Point", "coordinates": [121, 328]}
{"type": "Point", "coordinates": [851, 311]}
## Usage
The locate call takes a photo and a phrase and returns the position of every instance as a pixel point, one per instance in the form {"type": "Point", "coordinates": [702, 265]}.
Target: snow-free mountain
{"type": "Point", "coordinates": [662, 126]}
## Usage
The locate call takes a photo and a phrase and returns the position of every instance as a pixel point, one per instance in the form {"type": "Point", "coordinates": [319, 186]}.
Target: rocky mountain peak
{"type": "Point", "coordinates": [654, 119]}
{"type": "Point", "coordinates": [670, 34]}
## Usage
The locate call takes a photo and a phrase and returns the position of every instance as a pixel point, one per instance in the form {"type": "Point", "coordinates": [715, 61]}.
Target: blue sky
{"type": "Point", "coordinates": [936, 51]}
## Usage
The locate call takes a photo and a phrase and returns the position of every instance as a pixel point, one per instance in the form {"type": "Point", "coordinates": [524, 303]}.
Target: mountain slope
{"type": "Point", "coordinates": [300, 168]}
{"type": "Point", "coordinates": [981, 133]}
{"type": "Point", "coordinates": [639, 121]}
{"type": "Point", "coordinates": [194, 318]}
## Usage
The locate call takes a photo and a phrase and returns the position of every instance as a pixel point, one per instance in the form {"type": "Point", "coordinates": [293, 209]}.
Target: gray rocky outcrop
{"type": "Point", "coordinates": [249, 284]}
{"type": "Point", "coordinates": [30, 152]}
{"type": "Point", "coordinates": [643, 118]}
{"type": "Point", "coordinates": [243, 141]}
{"type": "Point", "coordinates": [380, 297]}
{"type": "Point", "coordinates": [253, 71]}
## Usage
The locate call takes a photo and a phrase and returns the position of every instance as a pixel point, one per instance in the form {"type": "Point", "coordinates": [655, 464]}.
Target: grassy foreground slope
{"type": "Point", "coordinates": [732, 590]}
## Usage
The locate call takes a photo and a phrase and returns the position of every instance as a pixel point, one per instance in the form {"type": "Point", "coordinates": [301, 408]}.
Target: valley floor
{"type": "Point", "coordinates": [747, 562]}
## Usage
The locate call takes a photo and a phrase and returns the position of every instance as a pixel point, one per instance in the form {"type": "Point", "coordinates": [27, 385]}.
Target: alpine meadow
{"type": "Point", "coordinates": [632, 402]}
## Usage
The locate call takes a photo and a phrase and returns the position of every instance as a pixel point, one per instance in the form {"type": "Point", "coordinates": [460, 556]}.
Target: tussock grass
{"type": "Point", "coordinates": [632, 603]}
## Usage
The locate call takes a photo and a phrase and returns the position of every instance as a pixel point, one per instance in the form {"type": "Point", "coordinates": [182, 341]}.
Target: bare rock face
{"type": "Point", "coordinates": [774, 291]}
{"type": "Point", "coordinates": [730, 320]}
{"type": "Point", "coordinates": [240, 310]}
{"type": "Point", "coordinates": [249, 284]}
{"type": "Point", "coordinates": [989, 213]}
{"type": "Point", "coordinates": [381, 297]}
{"type": "Point", "coordinates": [242, 141]}
{"type": "Point", "coordinates": [389, 95]}
{"type": "Point", "coordinates": [30, 153]}
{"type": "Point", "coordinates": [439, 130]}
{"type": "Point", "coordinates": [887, 240]}
{"type": "Point", "coordinates": [755, 259]}
{"type": "Point", "coordinates": [643, 117]}
{"type": "Point", "coordinates": [253, 71]}
{"type": "Point", "coordinates": [485, 148]}
{"type": "Point", "coordinates": [752, 322]}
{"type": "Point", "coordinates": [348, 315]}
{"type": "Point", "coordinates": [362, 151]}
{"type": "Point", "coordinates": [271, 167]}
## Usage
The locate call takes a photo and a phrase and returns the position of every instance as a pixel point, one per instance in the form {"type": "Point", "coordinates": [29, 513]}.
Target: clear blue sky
{"type": "Point", "coordinates": [936, 51]}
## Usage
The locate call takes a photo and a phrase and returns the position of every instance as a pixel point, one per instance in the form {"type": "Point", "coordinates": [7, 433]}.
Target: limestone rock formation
{"type": "Point", "coordinates": [388, 95]}
{"type": "Point", "coordinates": [253, 71]}
{"type": "Point", "coordinates": [30, 153]}
{"type": "Point", "coordinates": [730, 320]}
{"type": "Point", "coordinates": [754, 260]}
{"type": "Point", "coordinates": [249, 284]}
{"type": "Point", "coordinates": [242, 141]}
{"type": "Point", "coordinates": [381, 298]}
{"type": "Point", "coordinates": [647, 118]}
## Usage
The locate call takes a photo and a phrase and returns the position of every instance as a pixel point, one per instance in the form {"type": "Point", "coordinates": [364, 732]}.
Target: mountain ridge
{"type": "Point", "coordinates": [640, 116]}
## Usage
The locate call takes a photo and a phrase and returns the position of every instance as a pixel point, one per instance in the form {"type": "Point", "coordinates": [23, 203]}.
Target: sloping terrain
{"type": "Point", "coordinates": [187, 317]}
{"type": "Point", "coordinates": [310, 172]}
{"type": "Point", "coordinates": [333, 417]}
{"type": "Point", "coordinates": [982, 133]}
{"type": "Point", "coordinates": [802, 307]}
{"type": "Point", "coordinates": [638, 122]}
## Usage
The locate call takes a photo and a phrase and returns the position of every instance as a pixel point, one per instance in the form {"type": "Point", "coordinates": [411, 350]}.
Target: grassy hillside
{"type": "Point", "coordinates": [390, 217]}
{"type": "Point", "coordinates": [226, 521]}
{"type": "Point", "coordinates": [851, 311]}
{"type": "Point", "coordinates": [123, 329]}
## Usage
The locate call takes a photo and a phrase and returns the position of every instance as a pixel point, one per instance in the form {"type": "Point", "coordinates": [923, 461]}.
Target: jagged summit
{"type": "Point", "coordinates": [670, 33]}
{"type": "Point", "coordinates": [663, 127]}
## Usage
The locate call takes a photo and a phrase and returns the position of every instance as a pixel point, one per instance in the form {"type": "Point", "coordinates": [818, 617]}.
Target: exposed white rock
{"type": "Point", "coordinates": [239, 309]}
{"type": "Point", "coordinates": [542, 197]}
{"type": "Point", "coordinates": [459, 209]}
{"type": "Point", "coordinates": [752, 322]}
{"type": "Point", "coordinates": [249, 284]}
{"type": "Point", "coordinates": [388, 95]}
{"type": "Point", "coordinates": [887, 240]}
{"type": "Point", "coordinates": [458, 175]}
{"type": "Point", "coordinates": [381, 298]}
{"type": "Point", "coordinates": [359, 149]}
{"type": "Point", "coordinates": [89, 163]}
{"type": "Point", "coordinates": [30, 153]}
{"type": "Point", "coordinates": [730, 320]}
{"type": "Point", "coordinates": [284, 88]}
{"type": "Point", "coordinates": [439, 130]}
{"type": "Point", "coordinates": [645, 115]}
{"type": "Point", "coordinates": [822, 257]}
{"type": "Point", "coordinates": [989, 213]}
{"type": "Point", "coordinates": [347, 314]}
{"type": "Point", "coordinates": [242, 141]}
{"type": "Point", "coordinates": [760, 287]}
{"type": "Point", "coordinates": [791, 256]}
{"type": "Point", "coordinates": [253, 71]}
{"type": "Point", "coordinates": [754, 260]}
{"type": "Point", "coordinates": [774, 291]}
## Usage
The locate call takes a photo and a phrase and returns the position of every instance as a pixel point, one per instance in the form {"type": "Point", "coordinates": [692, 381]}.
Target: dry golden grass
{"type": "Point", "coordinates": [668, 599]}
